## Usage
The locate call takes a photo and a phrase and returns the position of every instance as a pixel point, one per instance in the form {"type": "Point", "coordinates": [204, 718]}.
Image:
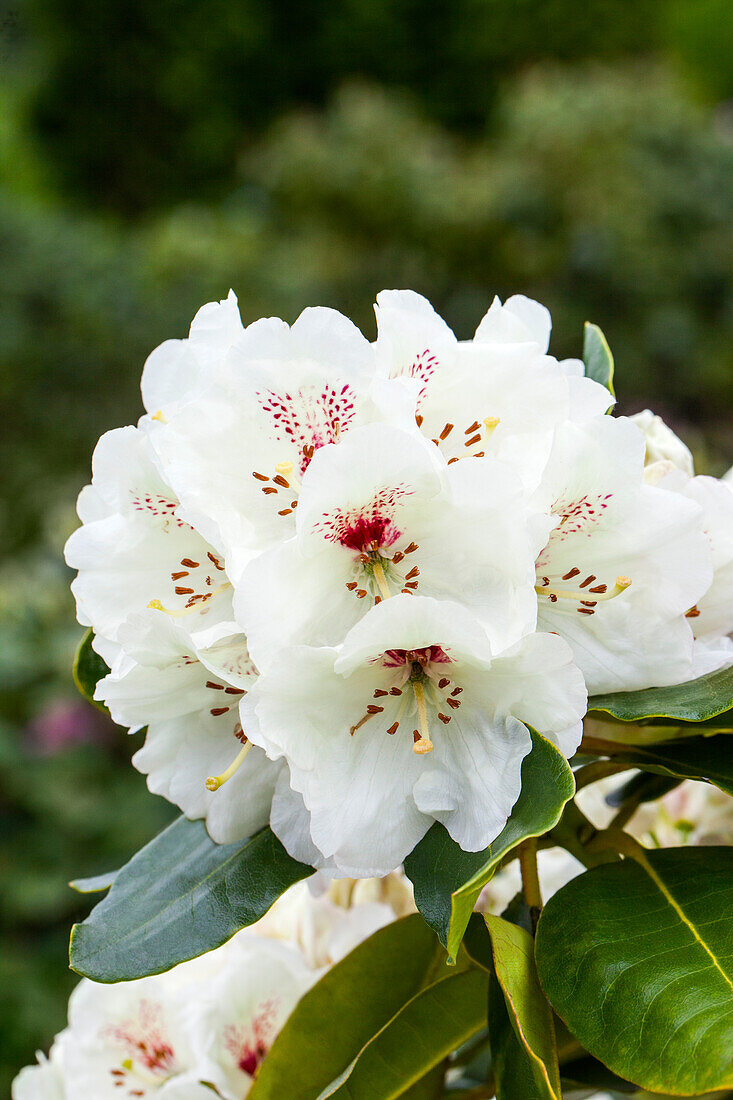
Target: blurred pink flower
{"type": "Point", "coordinates": [64, 723]}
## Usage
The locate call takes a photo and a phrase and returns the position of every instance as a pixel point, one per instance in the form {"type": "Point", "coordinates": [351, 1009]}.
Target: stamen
{"type": "Point", "coordinates": [215, 781]}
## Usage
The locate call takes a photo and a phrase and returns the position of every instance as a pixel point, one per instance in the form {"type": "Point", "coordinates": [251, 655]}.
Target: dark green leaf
{"type": "Point", "coordinates": [696, 701]}
{"type": "Point", "coordinates": [346, 1008]}
{"type": "Point", "coordinates": [642, 787]}
{"type": "Point", "coordinates": [97, 884]}
{"type": "Point", "coordinates": [448, 880]}
{"type": "Point", "coordinates": [637, 958]}
{"type": "Point", "coordinates": [89, 669]}
{"type": "Point", "coordinates": [597, 356]}
{"type": "Point", "coordinates": [587, 1072]}
{"type": "Point", "coordinates": [707, 758]}
{"type": "Point", "coordinates": [419, 1037]}
{"type": "Point", "coordinates": [180, 896]}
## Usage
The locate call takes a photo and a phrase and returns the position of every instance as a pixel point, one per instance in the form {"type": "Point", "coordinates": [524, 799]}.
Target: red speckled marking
{"type": "Point", "coordinates": [311, 417]}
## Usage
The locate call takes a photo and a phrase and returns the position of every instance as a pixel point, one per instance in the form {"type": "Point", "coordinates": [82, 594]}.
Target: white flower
{"type": "Point", "coordinates": [411, 720]}
{"type": "Point", "coordinates": [210, 1021]}
{"type": "Point", "coordinates": [327, 918]}
{"type": "Point", "coordinates": [662, 445]}
{"type": "Point", "coordinates": [45, 1080]}
{"type": "Point", "coordinates": [131, 1040]}
{"type": "Point", "coordinates": [500, 394]}
{"type": "Point", "coordinates": [174, 371]}
{"type": "Point", "coordinates": [133, 550]}
{"type": "Point", "coordinates": [625, 563]}
{"type": "Point", "coordinates": [237, 454]}
{"type": "Point", "coordinates": [195, 752]}
{"type": "Point", "coordinates": [241, 1010]}
{"type": "Point", "coordinates": [711, 616]}
{"type": "Point", "coordinates": [379, 515]}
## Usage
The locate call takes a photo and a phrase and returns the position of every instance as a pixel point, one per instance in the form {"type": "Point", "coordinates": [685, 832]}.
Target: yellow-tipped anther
{"type": "Point", "coordinates": [159, 416]}
{"type": "Point", "coordinates": [284, 468]}
{"type": "Point", "coordinates": [491, 423]}
{"type": "Point", "coordinates": [215, 781]}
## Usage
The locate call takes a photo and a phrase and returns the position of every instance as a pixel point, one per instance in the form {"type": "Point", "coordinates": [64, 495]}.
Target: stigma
{"type": "Point", "coordinates": [215, 781]}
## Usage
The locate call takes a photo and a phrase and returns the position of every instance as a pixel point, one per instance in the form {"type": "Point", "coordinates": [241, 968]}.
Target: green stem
{"type": "Point", "coordinates": [531, 879]}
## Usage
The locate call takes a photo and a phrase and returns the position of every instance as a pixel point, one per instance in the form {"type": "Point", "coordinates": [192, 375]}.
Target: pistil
{"type": "Point", "coordinates": [422, 744]}
{"type": "Point", "coordinates": [586, 595]}
{"type": "Point", "coordinates": [381, 579]}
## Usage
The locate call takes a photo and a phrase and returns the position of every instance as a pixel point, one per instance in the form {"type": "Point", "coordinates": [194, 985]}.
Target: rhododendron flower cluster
{"type": "Point", "coordinates": [203, 1029]}
{"type": "Point", "coordinates": [339, 582]}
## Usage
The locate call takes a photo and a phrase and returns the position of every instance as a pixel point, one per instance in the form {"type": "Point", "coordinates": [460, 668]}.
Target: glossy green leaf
{"type": "Point", "coordinates": [637, 958]}
{"type": "Point", "coordinates": [448, 881]}
{"type": "Point", "coordinates": [529, 1013]}
{"type": "Point", "coordinates": [641, 788]}
{"type": "Point", "coordinates": [180, 896]}
{"type": "Point", "coordinates": [346, 1008]}
{"type": "Point", "coordinates": [419, 1037]}
{"type": "Point", "coordinates": [89, 669]}
{"type": "Point", "coordinates": [522, 1030]}
{"type": "Point", "coordinates": [706, 758]}
{"type": "Point", "coordinates": [597, 356]}
{"type": "Point", "coordinates": [696, 701]}
{"type": "Point", "coordinates": [97, 884]}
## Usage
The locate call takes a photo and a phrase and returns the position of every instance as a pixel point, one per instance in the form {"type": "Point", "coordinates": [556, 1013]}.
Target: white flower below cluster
{"type": "Point", "coordinates": [203, 1029]}
{"type": "Point", "coordinates": [339, 581]}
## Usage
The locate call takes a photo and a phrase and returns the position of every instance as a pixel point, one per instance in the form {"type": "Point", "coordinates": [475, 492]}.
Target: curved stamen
{"type": "Point", "coordinates": [215, 781]}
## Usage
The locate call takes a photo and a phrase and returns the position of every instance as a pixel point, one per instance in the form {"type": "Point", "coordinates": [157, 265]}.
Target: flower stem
{"type": "Point", "coordinates": [531, 879]}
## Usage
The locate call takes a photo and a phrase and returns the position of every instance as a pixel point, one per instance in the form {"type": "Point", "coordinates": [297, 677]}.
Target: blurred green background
{"type": "Point", "coordinates": [306, 152]}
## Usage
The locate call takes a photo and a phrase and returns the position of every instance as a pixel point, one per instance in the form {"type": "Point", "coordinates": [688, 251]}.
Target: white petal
{"type": "Point", "coordinates": [473, 775]}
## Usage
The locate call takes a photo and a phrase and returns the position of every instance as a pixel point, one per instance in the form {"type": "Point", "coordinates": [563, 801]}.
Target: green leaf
{"type": "Point", "coordinates": [706, 758]}
{"type": "Point", "coordinates": [97, 884]}
{"type": "Point", "coordinates": [180, 896]}
{"type": "Point", "coordinates": [346, 1008]}
{"type": "Point", "coordinates": [510, 958]}
{"type": "Point", "coordinates": [637, 959]}
{"type": "Point", "coordinates": [88, 670]}
{"type": "Point", "coordinates": [418, 1038]}
{"type": "Point", "coordinates": [448, 881]}
{"type": "Point", "coordinates": [597, 356]}
{"type": "Point", "coordinates": [696, 701]}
